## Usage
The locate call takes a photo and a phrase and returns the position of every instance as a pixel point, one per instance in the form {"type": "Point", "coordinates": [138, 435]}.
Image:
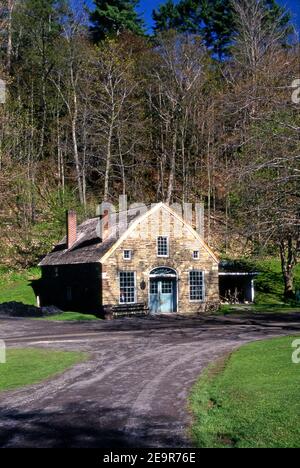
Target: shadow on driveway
{"type": "Point", "coordinates": [83, 426]}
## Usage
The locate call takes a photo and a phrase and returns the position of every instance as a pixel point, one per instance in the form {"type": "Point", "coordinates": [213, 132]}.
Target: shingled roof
{"type": "Point", "coordinates": [88, 247]}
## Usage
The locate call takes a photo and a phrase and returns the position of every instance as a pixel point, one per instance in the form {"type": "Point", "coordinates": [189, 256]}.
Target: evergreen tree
{"type": "Point", "coordinates": [214, 20]}
{"type": "Point", "coordinates": [111, 17]}
{"type": "Point", "coordinates": [167, 17]}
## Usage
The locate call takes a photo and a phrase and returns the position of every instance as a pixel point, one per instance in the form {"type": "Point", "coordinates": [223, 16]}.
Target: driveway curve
{"type": "Point", "coordinates": [133, 390]}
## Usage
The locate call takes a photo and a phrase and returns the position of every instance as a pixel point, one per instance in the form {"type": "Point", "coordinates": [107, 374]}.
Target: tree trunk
{"type": "Point", "coordinates": [108, 162]}
{"type": "Point", "coordinates": [76, 157]}
{"type": "Point", "coordinates": [9, 33]}
{"type": "Point", "coordinates": [74, 116]}
{"type": "Point", "coordinates": [172, 169]}
{"type": "Point", "coordinates": [288, 264]}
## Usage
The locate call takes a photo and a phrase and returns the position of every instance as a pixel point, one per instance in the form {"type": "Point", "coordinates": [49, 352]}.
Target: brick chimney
{"type": "Point", "coordinates": [71, 228]}
{"type": "Point", "coordinates": [105, 225]}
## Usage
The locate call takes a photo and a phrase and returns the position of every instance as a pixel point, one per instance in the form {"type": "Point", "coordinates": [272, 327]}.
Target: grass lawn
{"type": "Point", "coordinates": [15, 286]}
{"type": "Point", "coordinates": [241, 309]}
{"type": "Point", "coordinates": [250, 400]}
{"type": "Point", "coordinates": [269, 283]}
{"type": "Point", "coordinates": [29, 366]}
{"type": "Point", "coordinates": [269, 289]}
{"type": "Point", "coordinates": [71, 316]}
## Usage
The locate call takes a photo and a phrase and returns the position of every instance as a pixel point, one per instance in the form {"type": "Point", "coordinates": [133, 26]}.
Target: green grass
{"type": "Point", "coordinates": [30, 366]}
{"type": "Point", "coordinates": [71, 316]}
{"type": "Point", "coordinates": [250, 400]}
{"type": "Point", "coordinates": [269, 288]}
{"type": "Point", "coordinates": [15, 285]}
{"type": "Point", "coordinates": [269, 283]}
{"type": "Point", "coordinates": [242, 309]}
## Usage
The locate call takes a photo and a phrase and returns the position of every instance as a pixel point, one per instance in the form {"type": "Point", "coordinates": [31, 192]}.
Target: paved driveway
{"type": "Point", "coordinates": [133, 391]}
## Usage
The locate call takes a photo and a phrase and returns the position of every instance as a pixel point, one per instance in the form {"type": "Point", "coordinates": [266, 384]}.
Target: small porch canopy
{"type": "Point", "coordinates": [237, 283]}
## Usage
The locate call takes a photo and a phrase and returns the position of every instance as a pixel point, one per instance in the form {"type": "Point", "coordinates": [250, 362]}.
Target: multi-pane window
{"type": "Point", "coordinates": [162, 246]}
{"type": "Point", "coordinates": [153, 287]}
{"type": "Point", "coordinates": [166, 287]}
{"type": "Point", "coordinates": [127, 254]}
{"type": "Point", "coordinates": [197, 286]}
{"type": "Point", "coordinates": [196, 255]}
{"type": "Point", "coordinates": [127, 287]}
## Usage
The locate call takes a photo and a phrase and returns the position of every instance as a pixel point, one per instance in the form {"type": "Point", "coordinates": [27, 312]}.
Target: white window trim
{"type": "Point", "coordinates": [135, 289]}
{"type": "Point", "coordinates": [197, 301]}
{"type": "Point", "coordinates": [198, 255]}
{"type": "Point", "coordinates": [168, 247]}
{"type": "Point", "coordinates": [130, 257]}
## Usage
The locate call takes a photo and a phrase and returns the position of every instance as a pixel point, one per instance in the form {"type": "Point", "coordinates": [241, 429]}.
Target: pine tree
{"type": "Point", "coordinates": [111, 17]}
{"type": "Point", "coordinates": [166, 17]}
{"type": "Point", "coordinates": [212, 19]}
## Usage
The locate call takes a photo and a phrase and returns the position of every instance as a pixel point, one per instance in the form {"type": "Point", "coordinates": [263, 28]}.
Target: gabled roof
{"type": "Point", "coordinates": [141, 218]}
{"type": "Point", "coordinates": [89, 247]}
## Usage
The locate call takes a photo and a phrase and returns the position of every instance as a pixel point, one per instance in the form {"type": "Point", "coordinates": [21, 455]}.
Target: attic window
{"type": "Point", "coordinates": [196, 255]}
{"type": "Point", "coordinates": [162, 246]}
{"type": "Point", "coordinates": [127, 254]}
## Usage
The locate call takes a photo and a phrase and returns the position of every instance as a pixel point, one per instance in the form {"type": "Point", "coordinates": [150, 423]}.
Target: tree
{"type": "Point", "coordinates": [181, 17]}
{"type": "Point", "coordinates": [111, 17]}
{"type": "Point", "coordinates": [6, 13]}
{"type": "Point", "coordinates": [176, 101]}
{"type": "Point", "coordinates": [117, 113]}
{"type": "Point", "coordinates": [214, 20]}
{"type": "Point", "coordinates": [265, 134]}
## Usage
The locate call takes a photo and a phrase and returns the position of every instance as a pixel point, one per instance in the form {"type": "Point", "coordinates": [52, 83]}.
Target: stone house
{"type": "Point", "coordinates": [158, 262]}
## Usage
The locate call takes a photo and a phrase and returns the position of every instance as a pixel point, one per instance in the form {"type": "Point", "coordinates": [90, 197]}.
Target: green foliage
{"type": "Point", "coordinates": [30, 366]}
{"type": "Point", "coordinates": [251, 400]}
{"type": "Point", "coordinates": [182, 17]}
{"type": "Point", "coordinates": [40, 23]}
{"type": "Point", "coordinates": [15, 285]}
{"type": "Point", "coordinates": [71, 317]}
{"type": "Point", "coordinates": [34, 237]}
{"type": "Point", "coordinates": [214, 20]}
{"type": "Point", "coordinates": [269, 284]}
{"type": "Point", "coordinates": [112, 17]}
{"type": "Point", "coordinates": [52, 226]}
{"type": "Point", "coordinates": [277, 12]}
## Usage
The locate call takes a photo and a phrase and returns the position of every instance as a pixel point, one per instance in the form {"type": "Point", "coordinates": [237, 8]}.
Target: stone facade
{"type": "Point", "coordinates": [84, 275]}
{"type": "Point", "coordinates": [142, 242]}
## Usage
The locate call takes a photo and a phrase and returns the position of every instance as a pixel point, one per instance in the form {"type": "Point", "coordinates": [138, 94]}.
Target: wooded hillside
{"type": "Point", "coordinates": [200, 111]}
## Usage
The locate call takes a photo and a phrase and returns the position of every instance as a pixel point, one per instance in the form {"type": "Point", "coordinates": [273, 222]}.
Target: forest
{"type": "Point", "coordinates": [204, 109]}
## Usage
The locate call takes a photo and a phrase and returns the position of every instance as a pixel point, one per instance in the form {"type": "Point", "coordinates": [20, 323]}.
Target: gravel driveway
{"type": "Point", "coordinates": [133, 391]}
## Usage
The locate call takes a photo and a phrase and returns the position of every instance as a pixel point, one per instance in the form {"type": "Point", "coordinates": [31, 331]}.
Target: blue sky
{"type": "Point", "coordinates": [147, 6]}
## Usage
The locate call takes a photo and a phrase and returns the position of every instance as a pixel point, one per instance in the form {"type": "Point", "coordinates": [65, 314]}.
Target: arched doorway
{"type": "Point", "coordinates": [163, 284]}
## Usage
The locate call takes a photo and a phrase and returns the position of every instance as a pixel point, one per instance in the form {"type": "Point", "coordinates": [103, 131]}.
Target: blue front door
{"type": "Point", "coordinates": [162, 296]}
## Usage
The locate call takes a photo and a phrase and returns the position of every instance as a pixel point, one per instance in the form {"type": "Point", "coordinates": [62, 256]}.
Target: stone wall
{"type": "Point", "coordinates": [142, 242]}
